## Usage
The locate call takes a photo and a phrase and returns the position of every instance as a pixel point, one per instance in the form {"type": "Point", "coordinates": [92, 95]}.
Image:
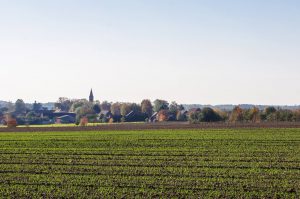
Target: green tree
{"type": "Point", "coordinates": [3, 109]}
{"type": "Point", "coordinates": [269, 110]}
{"type": "Point", "coordinates": [97, 108]}
{"type": "Point", "coordinates": [270, 114]}
{"type": "Point", "coordinates": [160, 105]}
{"type": "Point", "coordinates": [20, 106]}
{"type": "Point", "coordinates": [181, 116]}
{"type": "Point", "coordinates": [173, 107]}
{"type": "Point", "coordinates": [285, 115]}
{"type": "Point", "coordinates": [209, 115]}
{"type": "Point", "coordinates": [78, 103]}
{"type": "Point", "coordinates": [135, 107]}
{"type": "Point", "coordinates": [64, 104]}
{"type": "Point", "coordinates": [84, 111]}
{"type": "Point", "coordinates": [195, 116]}
{"type": "Point", "coordinates": [36, 106]}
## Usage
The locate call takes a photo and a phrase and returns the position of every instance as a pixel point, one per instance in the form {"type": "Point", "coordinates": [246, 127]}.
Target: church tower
{"type": "Point", "coordinates": [91, 98]}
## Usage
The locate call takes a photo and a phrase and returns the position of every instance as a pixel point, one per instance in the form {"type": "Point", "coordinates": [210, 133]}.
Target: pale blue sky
{"type": "Point", "coordinates": [190, 51]}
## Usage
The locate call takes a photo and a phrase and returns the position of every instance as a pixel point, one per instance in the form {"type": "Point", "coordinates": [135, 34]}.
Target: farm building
{"type": "Point", "coordinates": [134, 116]}
{"type": "Point", "coordinates": [65, 119]}
{"type": "Point", "coordinates": [105, 115]}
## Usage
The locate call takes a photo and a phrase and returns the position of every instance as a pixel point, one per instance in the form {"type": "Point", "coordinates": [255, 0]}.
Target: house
{"type": "Point", "coordinates": [63, 113]}
{"type": "Point", "coordinates": [2, 120]}
{"type": "Point", "coordinates": [10, 120]}
{"type": "Point", "coordinates": [65, 119]}
{"type": "Point", "coordinates": [183, 112]}
{"type": "Point", "coordinates": [134, 116]}
{"type": "Point", "coordinates": [105, 115]}
{"type": "Point", "coordinates": [171, 116]}
{"type": "Point", "coordinates": [45, 113]}
{"type": "Point", "coordinates": [163, 115]}
{"type": "Point", "coordinates": [153, 117]}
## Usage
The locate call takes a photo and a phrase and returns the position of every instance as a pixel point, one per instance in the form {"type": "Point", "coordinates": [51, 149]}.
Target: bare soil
{"type": "Point", "coordinates": [145, 126]}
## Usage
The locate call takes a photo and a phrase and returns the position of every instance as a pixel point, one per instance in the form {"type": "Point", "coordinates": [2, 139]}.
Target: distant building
{"type": "Point", "coordinates": [153, 118]}
{"type": "Point", "coordinates": [135, 116]}
{"type": "Point", "coordinates": [91, 97]}
{"type": "Point", "coordinates": [63, 113]}
{"type": "Point", "coordinates": [105, 114]}
{"type": "Point", "coordinates": [65, 119]}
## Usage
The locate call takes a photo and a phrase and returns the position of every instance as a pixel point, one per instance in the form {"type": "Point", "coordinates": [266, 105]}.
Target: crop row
{"type": "Point", "coordinates": [151, 171]}
{"type": "Point", "coordinates": [159, 163]}
{"type": "Point", "coordinates": [150, 182]}
{"type": "Point", "coordinates": [67, 191]}
{"type": "Point", "coordinates": [132, 158]}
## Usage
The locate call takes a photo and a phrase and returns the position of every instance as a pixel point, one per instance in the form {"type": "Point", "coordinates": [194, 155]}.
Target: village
{"type": "Point", "coordinates": [84, 111]}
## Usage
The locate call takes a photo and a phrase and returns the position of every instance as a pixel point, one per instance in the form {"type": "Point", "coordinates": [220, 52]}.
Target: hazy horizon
{"type": "Point", "coordinates": [192, 52]}
{"type": "Point", "coordinates": [152, 100]}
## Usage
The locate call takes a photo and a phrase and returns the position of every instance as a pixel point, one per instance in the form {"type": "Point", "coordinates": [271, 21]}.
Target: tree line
{"type": "Point", "coordinates": [146, 111]}
{"type": "Point", "coordinates": [254, 115]}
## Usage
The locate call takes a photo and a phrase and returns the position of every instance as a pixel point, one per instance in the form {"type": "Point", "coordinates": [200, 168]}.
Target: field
{"type": "Point", "coordinates": [185, 163]}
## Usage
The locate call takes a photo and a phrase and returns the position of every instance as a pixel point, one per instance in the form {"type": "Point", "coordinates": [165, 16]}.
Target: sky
{"type": "Point", "coordinates": [189, 51]}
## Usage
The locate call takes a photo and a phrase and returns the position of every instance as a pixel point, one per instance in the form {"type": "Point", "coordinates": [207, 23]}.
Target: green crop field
{"type": "Point", "coordinates": [248, 163]}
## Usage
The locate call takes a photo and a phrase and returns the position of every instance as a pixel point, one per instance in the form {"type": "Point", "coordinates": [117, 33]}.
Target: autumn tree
{"type": "Point", "coordinates": [147, 107]}
{"type": "Point", "coordinates": [105, 106]}
{"type": "Point", "coordinates": [236, 115]}
{"type": "Point", "coordinates": [254, 114]}
{"type": "Point", "coordinates": [125, 108]}
{"type": "Point", "coordinates": [297, 115]}
{"type": "Point", "coordinates": [116, 108]}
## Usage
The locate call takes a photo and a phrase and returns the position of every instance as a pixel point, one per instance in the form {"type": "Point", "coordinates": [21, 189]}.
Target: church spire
{"type": "Point", "coordinates": [91, 98]}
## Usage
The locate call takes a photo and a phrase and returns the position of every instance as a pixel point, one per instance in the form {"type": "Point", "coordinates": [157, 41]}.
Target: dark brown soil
{"type": "Point", "coordinates": [144, 126]}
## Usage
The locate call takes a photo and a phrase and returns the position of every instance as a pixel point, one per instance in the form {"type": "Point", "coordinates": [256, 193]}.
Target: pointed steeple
{"type": "Point", "coordinates": [91, 97]}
